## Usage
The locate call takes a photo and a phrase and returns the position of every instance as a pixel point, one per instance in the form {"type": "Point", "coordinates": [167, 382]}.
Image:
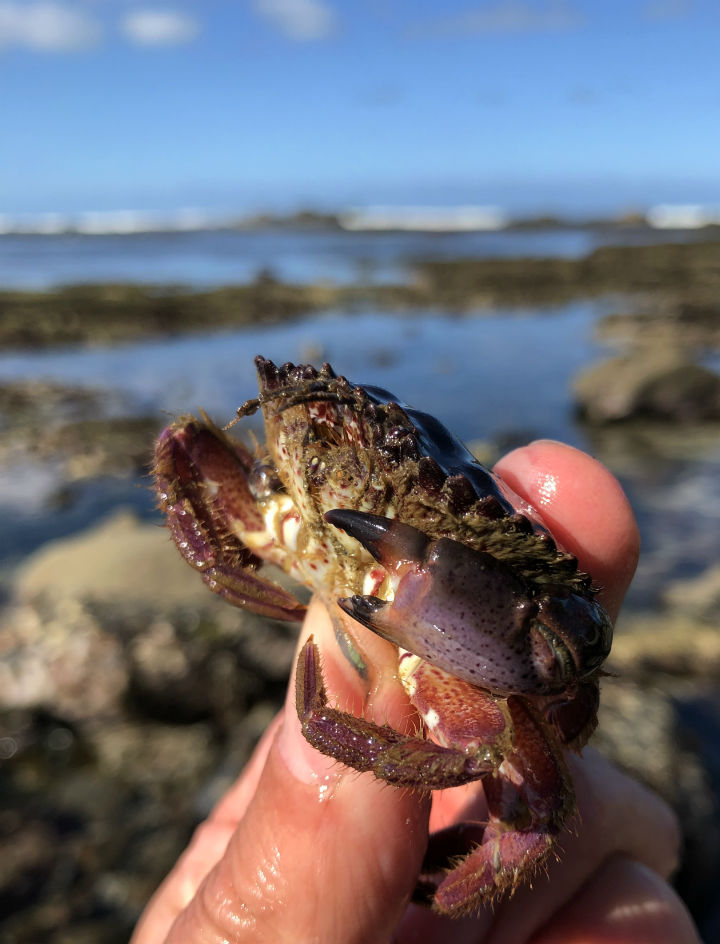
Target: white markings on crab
{"type": "Point", "coordinates": [212, 486]}
{"type": "Point", "coordinates": [408, 663]}
{"type": "Point", "coordinates": [431, 719]}
{"type": "Point", "coordinates": [279, 534]}
{"type": "Point", "coordinates": [290, 529]}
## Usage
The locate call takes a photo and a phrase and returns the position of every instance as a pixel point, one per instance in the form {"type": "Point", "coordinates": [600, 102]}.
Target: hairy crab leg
{"type": "Point", "coordinates": [529, 798]}
{"type": "Point", "coordinates": [396, 758]}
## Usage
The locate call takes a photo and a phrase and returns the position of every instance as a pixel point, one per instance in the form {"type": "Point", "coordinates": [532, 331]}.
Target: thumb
{"type": "Point", "coordinates": [322, 853]}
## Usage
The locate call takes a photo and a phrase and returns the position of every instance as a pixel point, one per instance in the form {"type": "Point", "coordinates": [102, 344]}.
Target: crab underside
{"type": "Point", "coordinates": [380, 510]}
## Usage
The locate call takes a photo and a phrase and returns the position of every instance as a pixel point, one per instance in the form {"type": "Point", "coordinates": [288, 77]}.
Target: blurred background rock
{"type": "Point", "coordinates": [524, 251]}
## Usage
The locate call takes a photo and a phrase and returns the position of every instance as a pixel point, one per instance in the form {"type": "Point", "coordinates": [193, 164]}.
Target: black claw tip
{"type": "Point", "coordinates": [369, 530]}
{"type": "Point", "coordinates": [387, 539]}
{"type": "Point", "coordinates": [362, 609]}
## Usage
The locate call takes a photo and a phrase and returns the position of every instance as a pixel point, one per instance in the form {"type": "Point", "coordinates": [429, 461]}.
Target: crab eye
{"type": "Point", "coordinates": [594, 633]}
{"type": "Point", "coordinates": [577, 629]}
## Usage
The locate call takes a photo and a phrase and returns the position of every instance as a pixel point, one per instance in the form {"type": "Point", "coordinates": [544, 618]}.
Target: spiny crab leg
{"type": "Point", "coordinates": [202, 484]}
{"type": "Point", "coordinates": [396, 758]}
{"type": "Point", "coordinates": [528, 789]}
{"type": "Point", "coordinates": [468, 613]}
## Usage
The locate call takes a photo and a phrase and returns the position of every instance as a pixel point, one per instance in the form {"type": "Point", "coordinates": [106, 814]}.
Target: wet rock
{"type": "Point", "coordinates": [90, 448]}
{"type": "Point", "coordinates": [128, 694]}
{"type": "Point", "coordinates": [680, 641]}
{"type": "Point", "coordinates": [28, 858]}
{"type": "Point", "coordinates": [660, 721]}
{"type": "Point", "coordinates": [189, 665]}
{"type": "Point", "coordinates": [698, 597]}
{"type": "Point", "coordinates": [115, 614]}
{"type": "Point", "coordinates": [655, 383]}
{"type": "Point", "coordinates": [85, 432]}
{"type": "Point", "coordinates": [35, 401]}
{"type": "Point", "coordinates": [690, 323]}
{"type": "Point", "coordinates": [165, 758]}
{"type": "Point", "coordinates": [117, 560]}
{"type": "Point", "coordinates": [68, 866]}
{"type": "Point", "coordinates": [654, 735]}
{"type": "Point", "coordinates": [55, 655]}
{"type": "Point", "coordinates": [674, 645]}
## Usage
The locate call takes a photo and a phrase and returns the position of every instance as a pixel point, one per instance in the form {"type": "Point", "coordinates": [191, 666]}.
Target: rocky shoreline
{"type": "Point", "coordinates": [129, 694]}
{"type": "Point", "coordinates": [683, 277]}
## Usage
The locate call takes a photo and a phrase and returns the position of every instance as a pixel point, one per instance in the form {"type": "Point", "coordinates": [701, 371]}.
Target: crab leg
{"type": "Point", "coordinates": [391, 756]}
{"type": "Point", "coordinates": [529, 797]}
{"type": "Point", "coordinates": [201, 479]}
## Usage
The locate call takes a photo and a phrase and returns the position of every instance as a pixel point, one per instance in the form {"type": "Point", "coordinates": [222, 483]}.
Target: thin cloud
{"type": "Point", "coordinates": [300, 20]}
{"type": "Point", "coordinates": [509, 16]}
{"type": "Point", "coordinates": [47, 27]}
{"type": "Point", "coordinates": [159, 27]}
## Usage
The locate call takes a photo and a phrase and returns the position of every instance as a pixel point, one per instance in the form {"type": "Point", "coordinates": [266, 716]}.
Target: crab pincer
{"type": "Point", "coordinates": [470, 614]}
{"type": "Point", "coordinates": [202, 483]}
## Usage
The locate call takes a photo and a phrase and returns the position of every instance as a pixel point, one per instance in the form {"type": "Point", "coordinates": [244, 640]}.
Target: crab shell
{"type": "Point", "coordinates": [378, 507]}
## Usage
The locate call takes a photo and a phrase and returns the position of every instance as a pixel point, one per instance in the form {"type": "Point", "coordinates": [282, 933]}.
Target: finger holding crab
{"type": "Point", "coordinates": [303, 848]}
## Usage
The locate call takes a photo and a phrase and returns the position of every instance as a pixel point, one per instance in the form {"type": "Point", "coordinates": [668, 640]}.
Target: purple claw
{"type": "Point", "coordinates": [469, 614]}
{"type": "Point", "coordinates": [202, 482]}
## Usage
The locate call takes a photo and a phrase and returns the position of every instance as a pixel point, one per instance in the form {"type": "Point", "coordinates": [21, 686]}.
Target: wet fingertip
{"type": "Point", "coordinates": [584, 506]}
{"type": "Point", "coordinates": [315, 670]}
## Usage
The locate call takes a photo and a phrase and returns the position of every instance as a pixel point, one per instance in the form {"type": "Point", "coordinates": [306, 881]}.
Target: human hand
{"type": "Point", "coordinates": [304, 849]}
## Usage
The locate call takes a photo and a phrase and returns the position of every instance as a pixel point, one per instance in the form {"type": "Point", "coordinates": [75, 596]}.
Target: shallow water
{"type": "Point", "coordinates": [222, 257]}
{"type": "Point", "coordinates": [485, 375]}
{"type": "Point", "coordinates": [505, 377]}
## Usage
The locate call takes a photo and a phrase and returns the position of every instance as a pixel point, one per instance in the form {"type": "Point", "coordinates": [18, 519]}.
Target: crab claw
{"type": "Point", "coordinates": [469, 614]}
{"type": "Point", "coordinates": [390, 542]}
{"type": "Point", "coordinates": [202, 480]}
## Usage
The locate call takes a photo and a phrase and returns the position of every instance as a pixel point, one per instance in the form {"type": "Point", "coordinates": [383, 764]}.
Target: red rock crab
{"type": "Point", "coordinates": [377, 508]}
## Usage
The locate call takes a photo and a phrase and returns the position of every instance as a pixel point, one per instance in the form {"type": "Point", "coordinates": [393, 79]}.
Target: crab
{"type": "Point", "coordinates": [391, 520]}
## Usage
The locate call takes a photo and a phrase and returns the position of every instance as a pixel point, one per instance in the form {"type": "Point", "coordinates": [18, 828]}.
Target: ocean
{"type": "Point", "coordinates": [205, 259]}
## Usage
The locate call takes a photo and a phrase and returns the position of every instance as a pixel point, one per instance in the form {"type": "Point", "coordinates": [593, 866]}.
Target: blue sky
{"type": "Point", "coordinates": [255, 104]}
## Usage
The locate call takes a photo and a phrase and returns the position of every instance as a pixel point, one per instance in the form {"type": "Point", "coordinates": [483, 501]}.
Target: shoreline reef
{"type": "Point", "coordinates": [681, 277]}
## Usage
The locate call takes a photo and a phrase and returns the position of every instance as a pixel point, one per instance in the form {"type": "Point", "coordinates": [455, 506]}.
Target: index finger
{"type": "Point", "coordinates": [584, 506]}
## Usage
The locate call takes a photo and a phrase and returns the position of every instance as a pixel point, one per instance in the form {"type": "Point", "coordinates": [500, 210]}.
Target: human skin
{"type": "Point", "coordinates": [304, 849]}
